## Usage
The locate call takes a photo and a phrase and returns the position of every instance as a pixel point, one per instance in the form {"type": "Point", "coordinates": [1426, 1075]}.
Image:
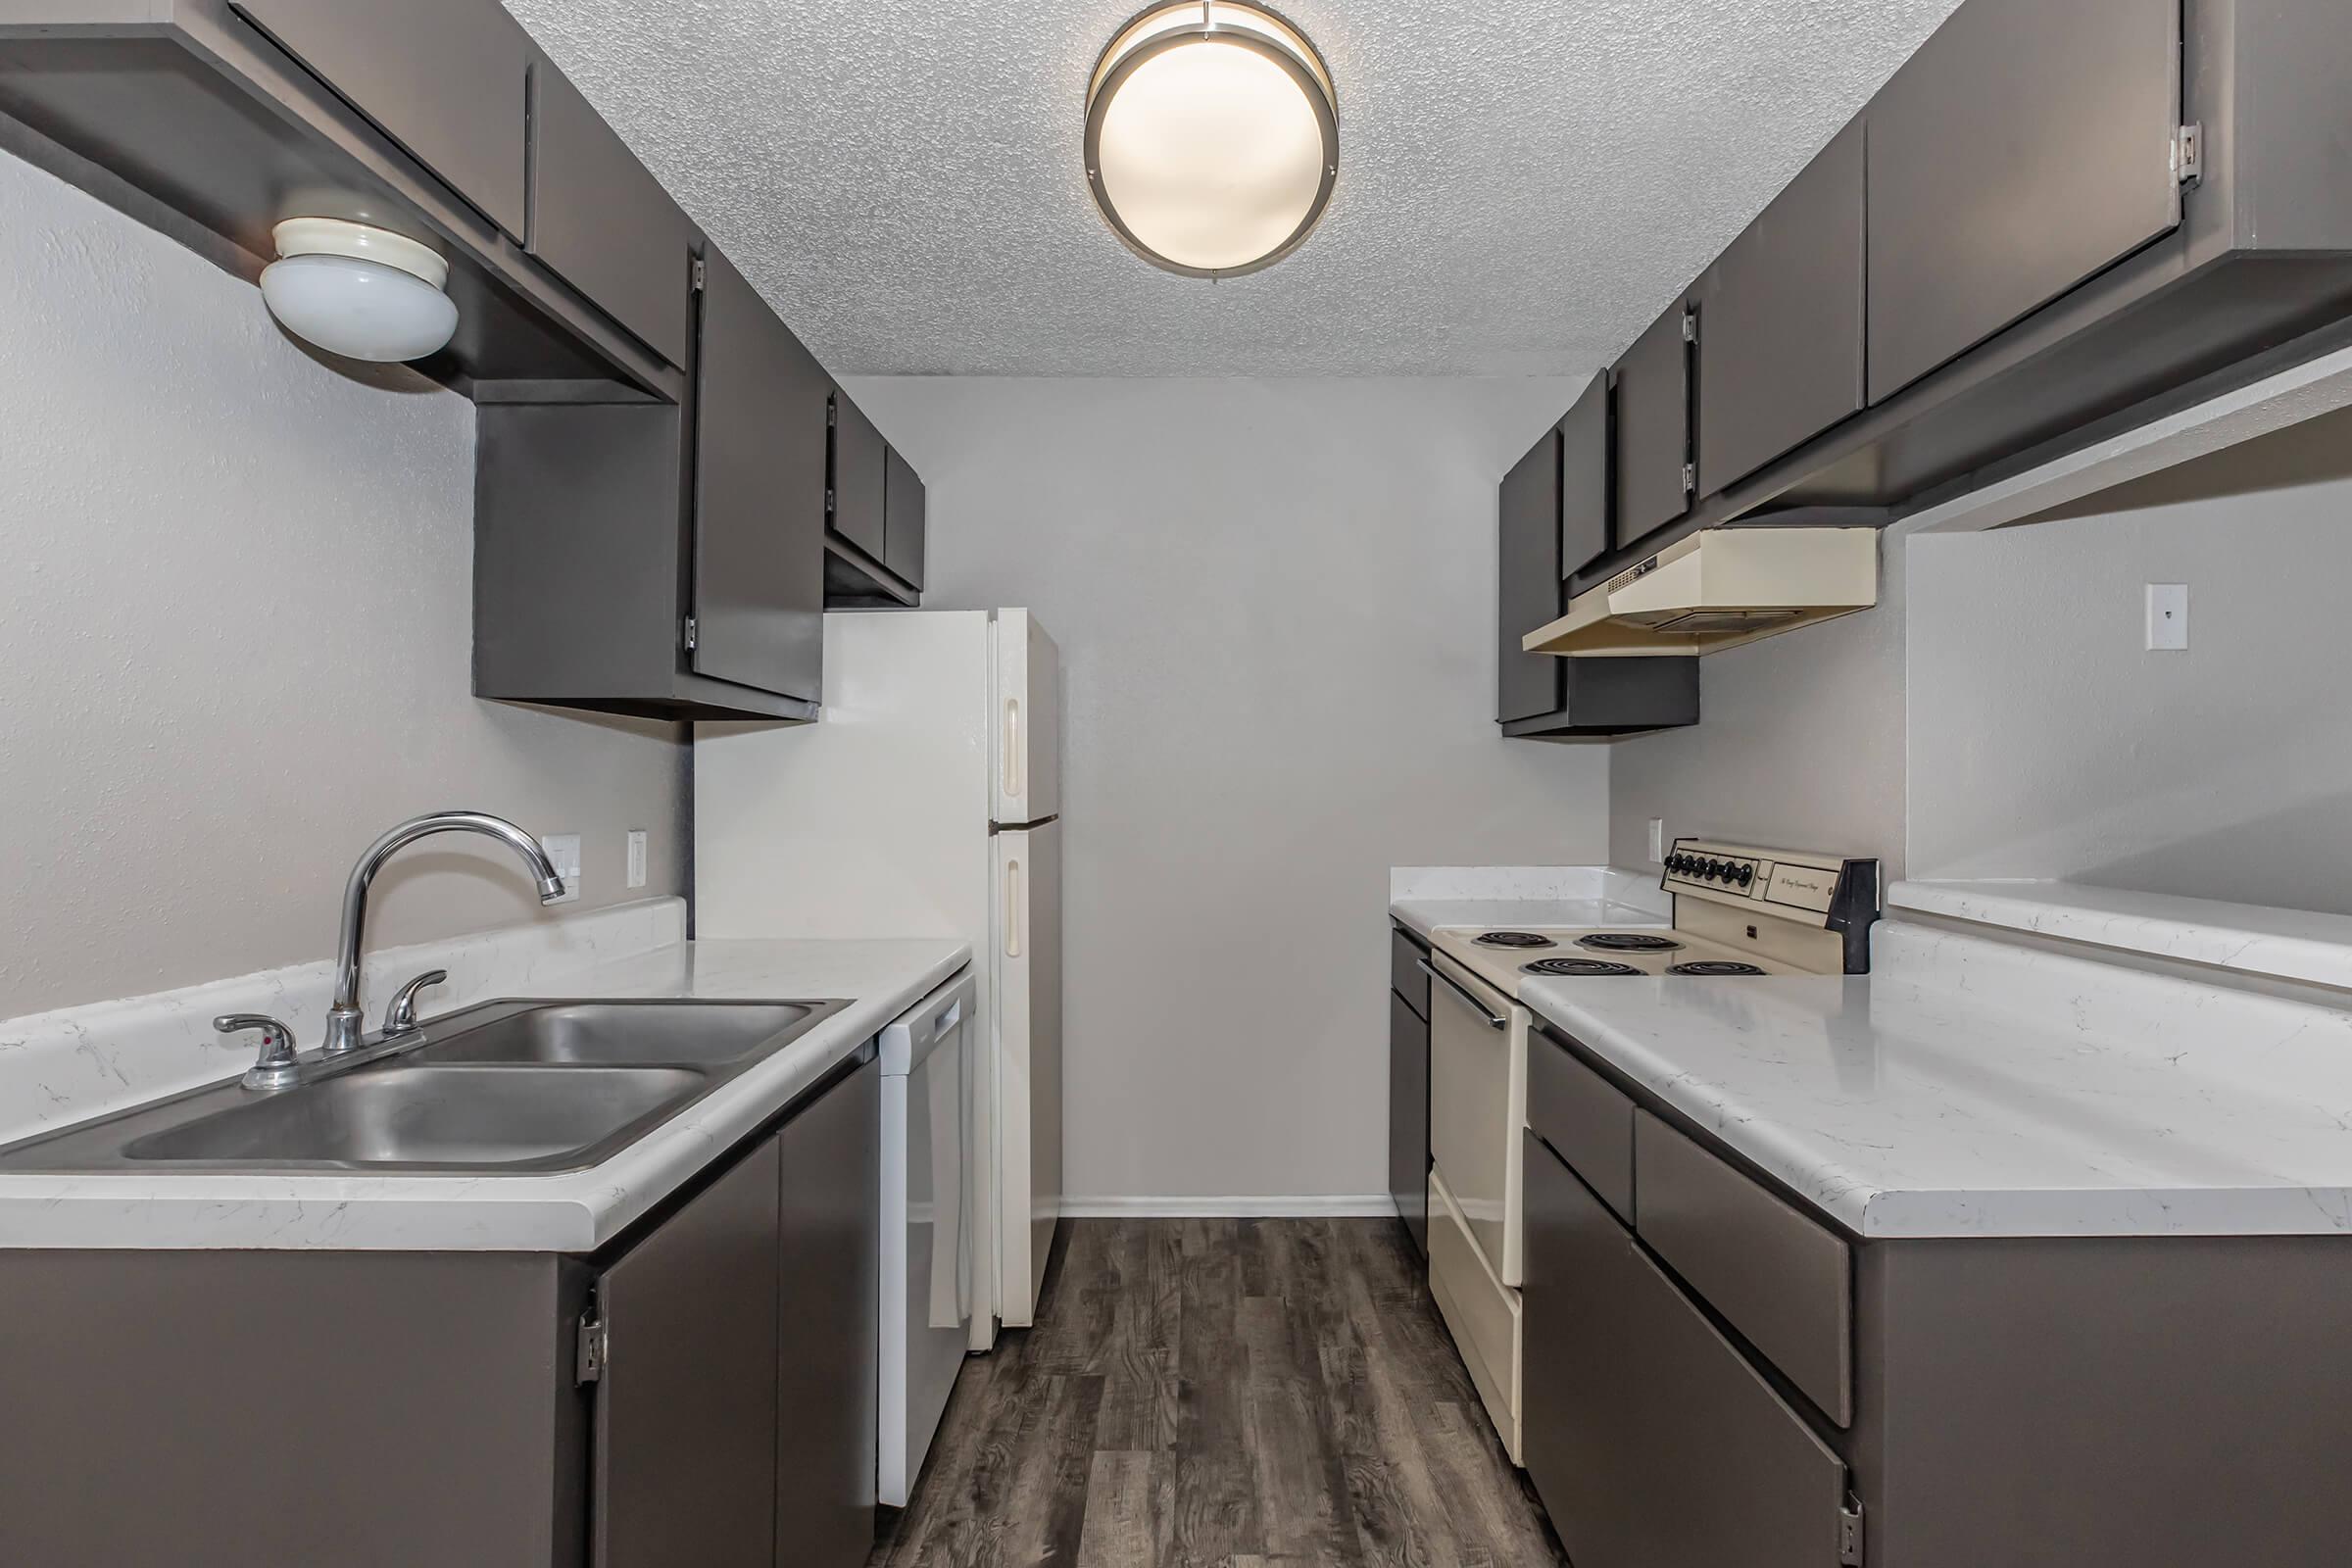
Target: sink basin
{"type": "Point", "coordinates": [619, 1034]}
{"type": "Point", "coordinates": [514, 1088]}
{"type": "Point", "coordinates": [432, 1117]}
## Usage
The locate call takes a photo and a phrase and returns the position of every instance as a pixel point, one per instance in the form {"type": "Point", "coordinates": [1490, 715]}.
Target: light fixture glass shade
{"type": "Point", "coordinates": [364, 293]}
{"type": "Point", "coordinates": [1211, 137]}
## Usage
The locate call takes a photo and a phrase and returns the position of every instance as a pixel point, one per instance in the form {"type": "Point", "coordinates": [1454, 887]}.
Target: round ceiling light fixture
{"type": "Point", "coordinates": [364, 293]}
{"type": "Point", "coordinates": [1212, 137]}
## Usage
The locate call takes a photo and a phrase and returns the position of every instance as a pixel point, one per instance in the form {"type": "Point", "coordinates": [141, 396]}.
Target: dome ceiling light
{"type": "Point", "coordinates": [1212, 137]}
{"type": "Point", "coordinates": [358, 291]}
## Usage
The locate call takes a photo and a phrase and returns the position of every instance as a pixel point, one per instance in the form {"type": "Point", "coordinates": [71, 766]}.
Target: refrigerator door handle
{"type": "Point", "coordinates": [1012, 747]}
{"type": "Point", "coordinates": [1012, 908]}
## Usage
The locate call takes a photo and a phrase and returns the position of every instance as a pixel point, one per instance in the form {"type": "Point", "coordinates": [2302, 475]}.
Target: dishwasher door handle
{"type": "Point", "coordinates": [1463, 991]}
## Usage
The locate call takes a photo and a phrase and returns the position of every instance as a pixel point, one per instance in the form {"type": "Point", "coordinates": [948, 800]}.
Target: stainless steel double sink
{"type": "Point", "coordinates": [520, 1087]}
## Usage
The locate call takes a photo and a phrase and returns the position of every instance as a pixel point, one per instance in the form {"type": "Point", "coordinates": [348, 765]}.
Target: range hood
{"type": "Point", "coordinates": [1716, 589]}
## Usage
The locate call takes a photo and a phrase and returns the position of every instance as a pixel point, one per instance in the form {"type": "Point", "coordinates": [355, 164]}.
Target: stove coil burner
{"type": "Point", "coordinates": [1580, 968]}
{"type": "Point", "coordinates": [1626, 941]}
{"type": "Point", "coordinates": [1713, 966]}
{"type": "Point", "coordinates": [1514, 939]}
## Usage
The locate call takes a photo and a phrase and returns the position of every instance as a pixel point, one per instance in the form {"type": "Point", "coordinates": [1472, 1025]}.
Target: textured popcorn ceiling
{"type": "Point", "coordinates": [1522, 184]}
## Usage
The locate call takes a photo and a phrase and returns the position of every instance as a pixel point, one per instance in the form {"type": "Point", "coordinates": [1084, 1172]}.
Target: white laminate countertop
{"type": "Point", "coordinates": [1976, 1087]}
{"type": "Point", "coordinates": [539, 1213]}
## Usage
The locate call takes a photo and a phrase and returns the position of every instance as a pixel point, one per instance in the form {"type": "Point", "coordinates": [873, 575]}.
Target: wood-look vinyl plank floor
{"type": "Point", "coordinates": [1244, 1394]}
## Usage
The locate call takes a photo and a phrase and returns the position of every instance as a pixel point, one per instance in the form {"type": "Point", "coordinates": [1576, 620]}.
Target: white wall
{"type": "Point", "coordinates": [1275, 602]}
{"type": "Point", "coordinates": [1799, 744]}
{"type": "Point", "coordinates": [235, 626]}
{"type": "Point", "coordinates": [2046, 740]}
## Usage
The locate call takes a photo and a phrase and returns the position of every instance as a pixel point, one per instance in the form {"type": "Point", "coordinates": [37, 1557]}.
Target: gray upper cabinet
{"type": "Point", "coordinates": [905, 506]}
{"type": "Point", "coordinates": [1654, 429]}
{"type": "Point", "coordinates": [602, 223]}
{"type": "Point", "coordinates": [1528, 556]}
{"type": "Point", "coordinates": [445, 78]}
{"type": "Point", "coordinates": [857, 493]}
{"type": "Point", "coordinates": [686, 1416]}
{"type": "Point", "coordinates": [2025, 147]}
{"type": "Point", "coordinates": [1587, 481]}
{"type": "Point", "coordinates": [760, 475]}
{"type": "Point", "coordinates": [1780, 322]}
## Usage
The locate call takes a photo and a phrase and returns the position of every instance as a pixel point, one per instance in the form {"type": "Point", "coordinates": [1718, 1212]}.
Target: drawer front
{"type": "Point", "coordinates": [1573, 1109]}
{"type": "Point", "coordinates": [1783, 1281]}
{"type": "Point", "coordinates": [1474, 1115]}
{"type": "Point", "coordinates": [1405, 976]}
{"type": "Point", "coordinates": [1651, 1441]}
{"type": "Point", "coordinates": [1481, 1314]}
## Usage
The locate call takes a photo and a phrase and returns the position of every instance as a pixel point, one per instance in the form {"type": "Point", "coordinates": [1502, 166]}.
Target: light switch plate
{"type": "Point", "coordinates": [636, 856]}
{"type": "Point", "coordinates": [563, 849]}
{"type": "Point", "coordinates": [1657, 841]}
{"type": "Point", "coordinates": [2168, 617]}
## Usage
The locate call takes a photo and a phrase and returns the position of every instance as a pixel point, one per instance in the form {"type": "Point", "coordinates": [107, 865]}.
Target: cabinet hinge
{"type": "Point", "coordinates": [2189, 153]}
{"type": "Point", "coordinates": [1690, 327]}
{"type": "Point", "coordinates": [1849, 1533]}
{"type": "Point", "coordinates": [701, 274]}
{"type": "Point", "coordinates": [1690, 477]}
{"type": "Point", "coordinates": [828, 501]}
{"type": "Point", "coordinates": [832, 414]}
{"type": "Point", "coordinates": [690, 634]}
{"type": "Point", "coordinates": [595, 1350]}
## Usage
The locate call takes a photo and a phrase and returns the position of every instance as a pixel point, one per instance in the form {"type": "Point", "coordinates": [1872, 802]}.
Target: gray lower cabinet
{"type": "Point", "coordinates": [1780, 322]}
{"type": "Point", "coordinates": [685, 1420]}
{"type": "Point", "coordinates": [2023, 148]}
{"type": "Point", "coordinates": [601, 221]}
{"type": "Point", "coordinates": [1651, 1441]}
{"type": "Point", "coordinates": [758, 495]}
{"type": "Point", "coordinates": [445, 78]}
{"type": "Point", "coordinates": [1654, 429]}
{"type": "Point", "coordinates": [1408, 1115]}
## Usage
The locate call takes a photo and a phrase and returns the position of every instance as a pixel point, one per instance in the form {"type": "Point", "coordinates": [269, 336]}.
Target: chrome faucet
{"type": "Point", "coordinates": [345, 1025]}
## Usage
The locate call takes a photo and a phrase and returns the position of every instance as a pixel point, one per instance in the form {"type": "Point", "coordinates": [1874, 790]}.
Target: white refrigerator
{"type": "Point", "coordinates": [925, 801]}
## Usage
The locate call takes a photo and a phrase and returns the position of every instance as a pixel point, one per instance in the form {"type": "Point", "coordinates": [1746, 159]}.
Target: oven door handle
{"type": "Point", "coordinates": [1463, 991]}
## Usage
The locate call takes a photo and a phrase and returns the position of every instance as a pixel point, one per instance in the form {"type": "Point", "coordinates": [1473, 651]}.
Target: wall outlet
{"type": "Point", "coordinates": [2168, 617]}
{"type": "Point", "coordinates": [636, 856]}
{"type": "Point", "coordinates": [1657, 841]}
{"type": "Point", "coordinates": [564, 850]}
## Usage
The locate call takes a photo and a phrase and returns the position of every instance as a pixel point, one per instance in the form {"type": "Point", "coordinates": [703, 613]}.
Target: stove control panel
{"type": "Point", "coordinates": [1824, 891]}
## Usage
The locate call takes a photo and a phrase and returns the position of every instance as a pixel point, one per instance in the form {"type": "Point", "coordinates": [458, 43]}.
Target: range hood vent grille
{"type": "Point", "coordinates": [1717, 589]}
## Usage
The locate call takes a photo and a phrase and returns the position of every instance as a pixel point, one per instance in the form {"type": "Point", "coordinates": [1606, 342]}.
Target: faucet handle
{"type": "Point", "coordinates": [274, 1067]}
{"type": "Point", "coordinates": [400, 1015]}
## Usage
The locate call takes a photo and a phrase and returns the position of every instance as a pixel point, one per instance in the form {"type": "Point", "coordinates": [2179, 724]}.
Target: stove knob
{"type": "Point", "coordinates": [1746, 875]}
{"type": "Point", "coordinates": [1679, 865]}
{"type": "Point", "coordinates": [1717, 870]}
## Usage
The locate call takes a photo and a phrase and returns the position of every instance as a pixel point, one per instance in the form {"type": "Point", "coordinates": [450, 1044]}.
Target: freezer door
{"type": "Point", "coordinates": [1028, 1067]}
{"type": "Point", "coordinates": [1026, 716]}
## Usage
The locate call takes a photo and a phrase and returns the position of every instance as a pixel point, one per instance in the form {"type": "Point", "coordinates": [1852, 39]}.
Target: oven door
{"type": "Point", "coordinates": [1477, 1106]}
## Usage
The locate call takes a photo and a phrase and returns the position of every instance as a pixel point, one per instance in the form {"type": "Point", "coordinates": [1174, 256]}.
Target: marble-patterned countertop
{"type": "Point", "coordinates": [1979, 1087]}
{"type": "Point", "coordinates": [564, 1213]}
{"type": "Point", "coordinates": [1425, 898]}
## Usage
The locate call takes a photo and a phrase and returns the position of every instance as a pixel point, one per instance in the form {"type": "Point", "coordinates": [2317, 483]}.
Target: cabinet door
{"type": "Point", "coordinates": [1780, 322]}
{"type": "Point", "coordinates": [1653, 429]}
{"type": "Point", "coordinates": [602, 222]}
{"type": "Point", "coordinates": [829, 1257]}
{"type": "Point", "coordinates": [686, 1407]}
{"type": "Point", "coordinates": [904, 508]}
{"type": "Point", "coordinates": [858, 488]}
{"type": "Point", "coordinates": [445, 78]}
{"type": "Point", "coordinates": [2025, 147]}
{"type": "Point", "coordinates": [1585, 491]}
{"type": "Point", "coordinates": [1409, 1119]}
{"type": "Point", "coordinates": [1650, 1440]}
{"type": "Point", "coordinates": [1528, 556]}
{"type": "Point", "coordinates": [759, 482]}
